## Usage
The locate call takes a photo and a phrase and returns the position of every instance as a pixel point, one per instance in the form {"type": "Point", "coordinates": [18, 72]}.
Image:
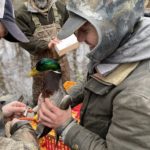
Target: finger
{"type": "Point", "coordinates": [18, 109]}
{"type": "Point", "coordinates": [18, 113]}
{"type": "Point", "coordinates": [56, 40]}
{"type": "Point", "coordinates": [52, 44]}
{"type": "Point", "coordinates": [47, 124]}
{"type": "Point", "coordinates": [19, 104]}
{"type": "Point", "coordinates": [46, 111]}
{"type": "Point", "coordinates": [51, 106]}
{"type": "Point", "coordinates": [43, 117]}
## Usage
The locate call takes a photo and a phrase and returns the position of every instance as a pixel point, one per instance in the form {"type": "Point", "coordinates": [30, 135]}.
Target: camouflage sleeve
{"type": "Point", "coordinates": [22, 139]}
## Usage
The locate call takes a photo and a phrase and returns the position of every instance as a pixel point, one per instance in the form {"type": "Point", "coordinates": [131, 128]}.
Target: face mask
{"type": "Point", "coordinates": [82, 60]}
{"type": "Point", "coordinates": [82, 51]}
{"type": "Point", "coordinates": [78, 62]}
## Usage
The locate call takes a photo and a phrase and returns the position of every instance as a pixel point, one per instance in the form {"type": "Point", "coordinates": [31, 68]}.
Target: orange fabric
{"type": "Point", "coordinates": [68, 84]}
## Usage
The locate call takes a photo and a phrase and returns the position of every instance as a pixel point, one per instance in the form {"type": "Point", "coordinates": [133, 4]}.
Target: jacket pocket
{"type": "Point", "coordinates": [98, 87]}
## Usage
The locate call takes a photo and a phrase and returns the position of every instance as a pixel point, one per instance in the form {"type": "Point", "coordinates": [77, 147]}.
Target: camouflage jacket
{"type": "Point", "coordinates": [27, 25]}
{"type": "Point", "coordinates": [22, 137]}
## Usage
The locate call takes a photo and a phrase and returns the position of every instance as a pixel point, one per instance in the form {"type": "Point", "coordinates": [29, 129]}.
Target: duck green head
{"type": "Point", "coordinates": [45, 64]}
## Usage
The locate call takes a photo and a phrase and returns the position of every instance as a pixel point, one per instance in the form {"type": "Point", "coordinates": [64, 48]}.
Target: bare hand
{"type": "Point", "coordinates": [52, 116]}
{"type": "Point", "coordinates": [13, 108]}
{"type": "Point", "coordinates": [53, 42]}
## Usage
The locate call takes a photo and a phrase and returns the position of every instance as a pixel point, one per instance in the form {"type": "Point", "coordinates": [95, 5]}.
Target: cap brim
{"type": "Point", "coordinates": [14, 32]}
{"type": "Point", "coordinates": [73, 23]}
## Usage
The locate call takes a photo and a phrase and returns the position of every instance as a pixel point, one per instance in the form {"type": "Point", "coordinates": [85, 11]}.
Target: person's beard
{"type": "Point", "coordinates": [41, 3]}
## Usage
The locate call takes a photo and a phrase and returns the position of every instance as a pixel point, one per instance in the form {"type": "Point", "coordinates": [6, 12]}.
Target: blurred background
{"type": "Point", "coordinates": [14, 66]}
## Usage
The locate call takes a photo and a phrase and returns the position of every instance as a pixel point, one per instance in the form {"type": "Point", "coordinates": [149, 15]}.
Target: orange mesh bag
{"type": "Point", "coordinates": [48, 142]}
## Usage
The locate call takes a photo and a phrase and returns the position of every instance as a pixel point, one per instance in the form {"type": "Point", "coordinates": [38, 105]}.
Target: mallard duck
{"type": "Point", "coordinates": [45, 64]}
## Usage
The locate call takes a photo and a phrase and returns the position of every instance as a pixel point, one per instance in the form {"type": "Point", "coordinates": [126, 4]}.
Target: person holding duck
{"type": "Point", "coordinates": [115, 112]}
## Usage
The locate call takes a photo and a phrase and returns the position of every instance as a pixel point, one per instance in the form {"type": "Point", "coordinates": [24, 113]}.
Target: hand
{"type": "Point", "coordinates": [13, 108]}
{"type": "Point", "coordinates": [53, 42]}
{"type": "Point", "coordinates": [52, 116]}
